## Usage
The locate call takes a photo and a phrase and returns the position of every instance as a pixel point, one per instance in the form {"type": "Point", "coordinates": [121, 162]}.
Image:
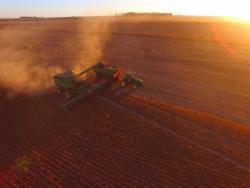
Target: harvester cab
{"type": "Point", "coordinates": [76, 86]}
{"type": "Point", "coordinates": [68, 83]}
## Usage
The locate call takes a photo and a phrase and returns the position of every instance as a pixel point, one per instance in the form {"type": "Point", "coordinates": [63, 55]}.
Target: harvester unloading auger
{"type": "Point", "coordinates": [78, 86]}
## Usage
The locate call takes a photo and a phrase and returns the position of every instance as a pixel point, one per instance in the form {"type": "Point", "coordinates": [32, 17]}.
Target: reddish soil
{"type": "Point", "coordinates": [120, 141]}
{"type": "Point", "coordinates": [188, 127]}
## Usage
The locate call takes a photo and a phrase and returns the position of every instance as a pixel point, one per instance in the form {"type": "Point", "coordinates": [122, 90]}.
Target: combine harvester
{"type": "Point", "coordinates": [76, 87]}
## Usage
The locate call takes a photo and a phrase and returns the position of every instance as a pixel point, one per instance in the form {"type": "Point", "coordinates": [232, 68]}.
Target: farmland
{"type": "Point", "coordinates": [188, 126]}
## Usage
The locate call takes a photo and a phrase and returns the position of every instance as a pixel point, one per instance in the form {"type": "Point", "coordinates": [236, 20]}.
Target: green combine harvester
{"type": "Point", "coordinates": [79, 86]}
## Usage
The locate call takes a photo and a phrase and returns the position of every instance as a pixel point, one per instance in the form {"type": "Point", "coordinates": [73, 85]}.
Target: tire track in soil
{"type": "Point", "coordinates": [231, 138]}
{"type": "Point", "coordinates": [239, 165]}
{"type": "Point", "coordinates": [111, 148]}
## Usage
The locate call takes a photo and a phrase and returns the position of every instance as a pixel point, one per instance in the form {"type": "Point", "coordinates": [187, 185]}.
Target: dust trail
{"type": "Point", "coordinates": [19, 73]}
{"type": "Point", "coordinates": [30, 54]}
{"type": "Point", "coordinates": [96, 33]}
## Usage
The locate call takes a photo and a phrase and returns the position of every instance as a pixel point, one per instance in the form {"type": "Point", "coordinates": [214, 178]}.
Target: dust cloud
{"type": "Point", "coordinates": [30, 54]}
{"type": "Point", "coordinates": [95, 35]}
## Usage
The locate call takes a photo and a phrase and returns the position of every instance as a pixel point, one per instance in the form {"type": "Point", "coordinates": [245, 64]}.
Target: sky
{"type": "Point", "coordinates": [54, 8]}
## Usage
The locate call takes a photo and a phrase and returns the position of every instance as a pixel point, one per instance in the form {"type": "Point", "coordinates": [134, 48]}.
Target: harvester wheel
{"type": "Point", "coordinates": [135, 86]}
{"type": "Point", "coordinates": [123, 84]}
{"type": "Point", "coordinates": [68, 94]}
{"type": "Point", "coordinates": [98, 77]}
{"type": "Point", "coordinates": [59, 91]}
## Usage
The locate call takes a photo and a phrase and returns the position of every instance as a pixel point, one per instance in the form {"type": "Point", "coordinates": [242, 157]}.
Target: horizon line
{"type": "Point", "coordinates": [120, 15]}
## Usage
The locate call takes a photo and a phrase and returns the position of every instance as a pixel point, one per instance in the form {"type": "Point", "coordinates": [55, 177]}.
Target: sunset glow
{"type": "Point", "coordinates": [245, 17]}
{"type": "Point", "coordinates": [46, 8]}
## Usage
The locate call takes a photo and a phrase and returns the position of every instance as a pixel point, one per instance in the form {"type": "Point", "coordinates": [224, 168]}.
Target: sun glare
{"type": "Point", "coordinates": [241, 12]}
{"type": "Point", "coordinates": [245, 17]}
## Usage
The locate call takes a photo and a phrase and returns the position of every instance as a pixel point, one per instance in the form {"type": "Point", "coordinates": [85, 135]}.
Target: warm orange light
{"type": "Point", "coordinates": [239, 9]}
